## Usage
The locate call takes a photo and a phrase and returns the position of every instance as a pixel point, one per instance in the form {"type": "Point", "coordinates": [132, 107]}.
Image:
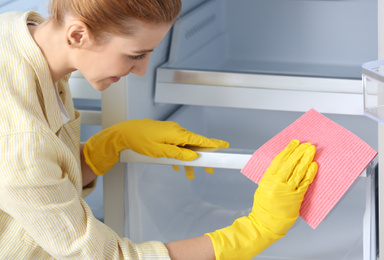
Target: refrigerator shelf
{"type": "Point", "coordinates": [259, 91]}
{"type": "Point", "coordinates": [221, 158]}
{"type": "Point", "coordinates": [229, 158]}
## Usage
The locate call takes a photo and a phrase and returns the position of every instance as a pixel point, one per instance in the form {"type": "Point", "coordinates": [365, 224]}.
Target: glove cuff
{"type": "Point", "coordinates": [88, 161]}
{"type": "Point", "coordinates": [244, 239]}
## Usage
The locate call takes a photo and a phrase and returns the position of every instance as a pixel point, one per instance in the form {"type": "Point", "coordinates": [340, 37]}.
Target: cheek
{"type": "Point", "coordinates": [111, 62]}
{"type": "Point", "coordinates": [121, 66]}
{"type": "Point", "coordinates": [106, 66]}
{"type": "Point", "coordinates": [103, 68]}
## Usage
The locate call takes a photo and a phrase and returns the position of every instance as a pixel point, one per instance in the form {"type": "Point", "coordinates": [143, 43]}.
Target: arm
{"type": "Point", "coordinates": [87, 173]}
{"type": "Point", "coordinates": [149, 137]}
{"type": "Point", "coordinates": [276, 205]}
{"type": "Point", "coordinates": [40, 188]}
{"type": "Point", "coordinates": [200, 248]}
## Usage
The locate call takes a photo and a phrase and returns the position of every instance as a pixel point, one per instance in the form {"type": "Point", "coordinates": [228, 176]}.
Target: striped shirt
{"type": "Point", "coordinates": [42, 213]}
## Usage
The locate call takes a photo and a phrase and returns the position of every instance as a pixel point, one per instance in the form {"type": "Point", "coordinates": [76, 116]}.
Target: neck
{"type": "Point", "coordinates": [51, 40]}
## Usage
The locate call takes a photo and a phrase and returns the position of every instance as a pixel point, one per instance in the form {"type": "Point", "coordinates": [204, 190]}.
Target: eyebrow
{"type": "Point", "coordinates": [143, 51]}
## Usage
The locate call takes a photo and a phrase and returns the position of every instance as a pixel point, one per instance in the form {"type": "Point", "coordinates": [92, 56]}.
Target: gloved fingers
{"type": "Point", "coordinates": [286, 170]}
{"type": "Point", "coordinates": [173, 151]}
{"type": "Point", "coordinates": [209, 170]}
{"type": "Point", "coordinates": [202, 141]}
{"type": "Point", "coordinates": [282, 156]}
{"type": "Point", "coordinates": [302, 167]}
{"type": "Point", "coordinates": [189, 172]}
{"type": "Point", "coordinates": [186, 155]}
{"type": "Point", "coordinates": [309, 177]}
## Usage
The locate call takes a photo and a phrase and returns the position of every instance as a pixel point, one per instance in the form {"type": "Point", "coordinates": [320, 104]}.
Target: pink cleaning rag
{"type": "Point", "coordinates": [340, 154]}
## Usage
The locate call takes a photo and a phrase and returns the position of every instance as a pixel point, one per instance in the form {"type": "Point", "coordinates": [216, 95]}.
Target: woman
{"type": "Point", "coordinates": [45, 172]}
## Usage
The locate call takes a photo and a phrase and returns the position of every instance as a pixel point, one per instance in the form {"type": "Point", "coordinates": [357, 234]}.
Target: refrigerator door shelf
{"type": "Point", "coordinates": [373, 83]}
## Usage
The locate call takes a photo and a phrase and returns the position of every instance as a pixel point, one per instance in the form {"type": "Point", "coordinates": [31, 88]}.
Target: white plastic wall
{"type": "Point", "coordinates": [307, 32]}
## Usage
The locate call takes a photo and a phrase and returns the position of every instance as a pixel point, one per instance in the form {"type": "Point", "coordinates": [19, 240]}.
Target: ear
{"type": "Point", "coordinates": [77, 33]}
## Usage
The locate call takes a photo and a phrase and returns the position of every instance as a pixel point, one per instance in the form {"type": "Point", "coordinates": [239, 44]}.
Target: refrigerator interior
{"type": "Point", "coordinates": [40, 6]}
{"type": "Point", "coordinates": [224, 57]}
{"type": "Point", "coordinates": [162, 204]}
{"type": "Point", "coordinates": [280, 37]}
{"type": "Point", "coordinates": [259, 54]}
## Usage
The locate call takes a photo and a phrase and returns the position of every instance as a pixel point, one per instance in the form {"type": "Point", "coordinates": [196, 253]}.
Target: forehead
{"type": "Point", "coordinates": [145, 36]}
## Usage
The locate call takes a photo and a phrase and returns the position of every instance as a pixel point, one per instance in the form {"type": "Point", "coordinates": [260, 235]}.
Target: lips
{"type": "Point", "coordinates": [115, 79]}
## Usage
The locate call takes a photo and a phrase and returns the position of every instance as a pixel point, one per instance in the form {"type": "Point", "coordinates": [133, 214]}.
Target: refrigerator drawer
{"type": "Point", "coordinates": [162, 204]}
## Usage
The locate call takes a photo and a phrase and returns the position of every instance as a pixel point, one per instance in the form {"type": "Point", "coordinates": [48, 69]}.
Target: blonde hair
{"type": "Point", "coordinates": [115, 16]}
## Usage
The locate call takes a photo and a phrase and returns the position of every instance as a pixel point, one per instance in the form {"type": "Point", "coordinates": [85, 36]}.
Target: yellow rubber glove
{"type": "Point", "coordinates": [189, 171]}
{"type": "Point", "coordinates": [276, 205]}
{"type": "Point", "coordinates": [146, 136]}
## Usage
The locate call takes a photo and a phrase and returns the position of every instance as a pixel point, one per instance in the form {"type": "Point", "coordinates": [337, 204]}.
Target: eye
{"type": "Point", "coordinates": [138, 57]}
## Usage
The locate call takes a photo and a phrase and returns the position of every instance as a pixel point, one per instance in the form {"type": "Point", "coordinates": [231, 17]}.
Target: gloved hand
{"type": "Point", "coordinates": [146, 136]}
{"type": "Point", "coordinates": [276, 205]}
{"type": "Point", "coordinates": [189, 171]}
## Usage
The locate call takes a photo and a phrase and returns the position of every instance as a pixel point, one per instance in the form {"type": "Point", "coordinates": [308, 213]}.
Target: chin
{"type": "Point", "coordinates": [100, 86]}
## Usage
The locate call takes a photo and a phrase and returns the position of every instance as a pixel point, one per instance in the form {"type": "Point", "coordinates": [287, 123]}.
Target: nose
{"type": "Point", "coordinates": [140, 67]}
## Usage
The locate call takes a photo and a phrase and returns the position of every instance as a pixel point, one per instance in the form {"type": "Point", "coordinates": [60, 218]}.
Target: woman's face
{"type": "Point", "coordinates": [117, 56]}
